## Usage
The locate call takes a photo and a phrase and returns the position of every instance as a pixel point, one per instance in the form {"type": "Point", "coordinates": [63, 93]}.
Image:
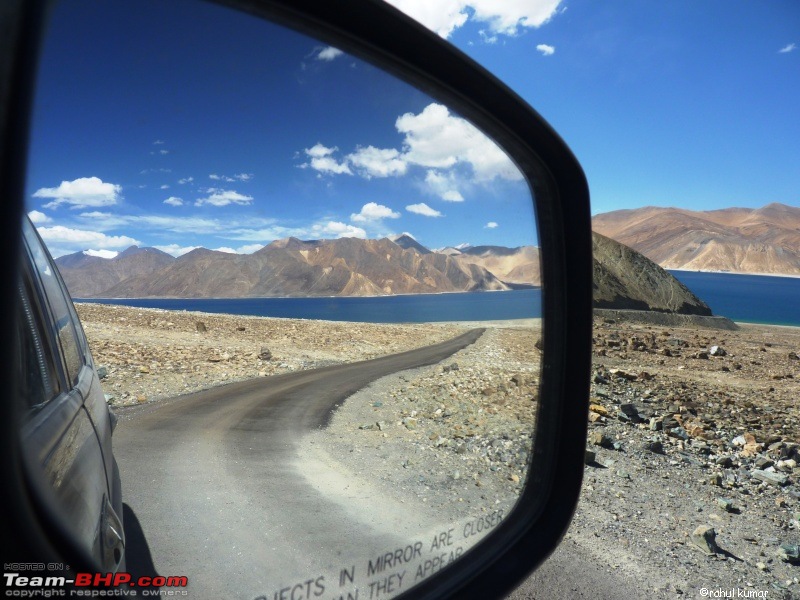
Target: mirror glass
{"type": "Point", "coordinates": [311, 293]}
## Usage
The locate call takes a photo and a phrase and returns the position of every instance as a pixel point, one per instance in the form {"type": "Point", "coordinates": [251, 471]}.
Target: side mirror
{"type": "Point", "coordinates": [505, 546]}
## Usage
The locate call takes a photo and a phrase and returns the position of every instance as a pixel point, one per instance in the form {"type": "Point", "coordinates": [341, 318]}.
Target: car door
{"type": "Point", "coordinates": [64, 406]}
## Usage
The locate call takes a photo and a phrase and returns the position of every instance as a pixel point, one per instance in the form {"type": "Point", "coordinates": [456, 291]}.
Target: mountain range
{"type": "Point", "coordinates": [738, 240]}
{"type": "Point", "coordinates": [293, 267]}
{"type": "Point", "coordinates": [357, 267]}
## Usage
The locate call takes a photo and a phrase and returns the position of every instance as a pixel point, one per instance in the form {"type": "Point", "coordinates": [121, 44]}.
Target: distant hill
{"type": "Point", "coordinates": [512, 265]}
{"type": "Point", "coordinates": [87, 276]}
{"type": "Point", "coordinates": [739, 240]}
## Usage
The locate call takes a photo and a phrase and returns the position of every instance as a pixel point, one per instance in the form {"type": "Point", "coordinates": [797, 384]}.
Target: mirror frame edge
{"type": "Point", "coordinates": [382, 35]}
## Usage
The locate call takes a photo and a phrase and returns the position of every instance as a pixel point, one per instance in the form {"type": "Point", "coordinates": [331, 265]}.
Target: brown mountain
{"type": "Point", "coordinates": [87, 276]}
{"type": "Point", "coordinates": [291, 267]}
{"type": "Point", "coordinates": [625, 279]}
{"type": "Point", "coordinates": [740, 240]}
{"type": "Point", "coordinates": [510, 265]}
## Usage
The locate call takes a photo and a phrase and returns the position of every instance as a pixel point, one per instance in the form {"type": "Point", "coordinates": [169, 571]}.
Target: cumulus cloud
{"type": "Point", "coordinates": [323, 161]}
{"type": "Point", "coordinates": [788, 48]}
{"type": "Point", "coordinates": [81, 238]}
{"type": "Point", "coordinates": [490, 225]}
{"type": "Point", "coordinates": [508, 17]}
{"type": "Point", "coordinates": [423, 209]}
{"type": "Point", "coordinates": [434, 138]}
{"type": "Point", "coordinates": [337, 229]}
{"type": "Point", "coordinates": [165, 187]}
{"type": "Point", "coordinates": [220, 197]}
{"type": "Point", "coordinates": [101, 253]}
{"type": "Point", "coordinates": [84, 192]}
{"type": "Point", "coordinates": [186, 180]}
{"type": "Point", "coordinates": [38, 218]}
{"type": "Point", "coordinates": [372, 211]}
{"type": "Point", "coordinates": [243, 176]}
{"type": "Point", "coordinates": [173, 201]}
{"type": "Point", "coordinates": [377, 162]}
{"type": "Point", "coordinates": [546, 49]}
{"type": "Point", "coordinates": [328, 53]}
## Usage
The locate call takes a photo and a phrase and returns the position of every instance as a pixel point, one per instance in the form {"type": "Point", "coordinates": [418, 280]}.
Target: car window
{"type": "Point", "coordinates": [70, 344]}
{"type": "Point", "coordinates": [37, 368]}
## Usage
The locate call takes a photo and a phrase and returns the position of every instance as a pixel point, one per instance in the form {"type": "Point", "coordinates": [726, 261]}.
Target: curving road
{"type": "Point", "coordinates": [213, 490]}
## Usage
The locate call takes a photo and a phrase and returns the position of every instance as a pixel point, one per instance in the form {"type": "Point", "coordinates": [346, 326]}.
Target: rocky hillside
{"type": "Point", "coordinates": [625, 279]}
{"type": "Point", "coordinates": [739, 240]}
{"type": "Point", "coordinates": [515, 266]}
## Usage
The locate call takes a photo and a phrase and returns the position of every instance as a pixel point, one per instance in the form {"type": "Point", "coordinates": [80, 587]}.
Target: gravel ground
{"type": "Point", "coordinates": [692, 430]}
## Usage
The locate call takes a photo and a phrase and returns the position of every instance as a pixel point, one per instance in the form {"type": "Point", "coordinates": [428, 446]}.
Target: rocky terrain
{"type": "Point", "coordinates": [692, 477]}
{"type": "Point", "coordinates": [739, 240]}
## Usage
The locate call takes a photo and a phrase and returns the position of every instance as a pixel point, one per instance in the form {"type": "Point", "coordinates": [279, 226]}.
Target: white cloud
{"type": "Point", "coordinates": [788, 48]}
{"type": "Point", "coordinates": [226, 250]}
{"type": "Point", "coordinates": [186, 180]}
{"type": "Point", "coordinates": [38, 218]}
{"type": "Point", "coordinates": [318, 150]}
{"type": "Point", "coordinates": [101, 253]}
{"type": "Point", "coordinates": [249, 248]}
{"type": "Point", "coordinates": [443, 185]}
{"type": "Point", "coordinates": [490, 225]}
{"type": "Point", "coordinates": [323, 161]}
{"type": "Point", "coordinates": [243, 176]}
{"type": "Point", "coordinates": [394, 238]}
{"type": "Point", "coordinates": [372, 211]}
{"type": "Point", "coordinates": [81, 238]}
{"type": "Point", "coordinates": [329, 53]}
{"type": "Point", "coordinates": [165, 187]}
{"type": "Point", "coordinates": [452, 196]}
{"type": "Point", "coordinates": [176, 250]}
{"type": "Point", "coordinates": [158, 143]}
{"type": "Point", "coordinates": [219, 197]}
{"type": "Point", "coordinates": [337, 229]}
{"type": "Point", "coordinates": [84, 192]}
{"type": "Point", "coordinates": [434, 138]}
{"type": "Point", "coordinates": [173, 201]}
{"type": "Point", "coordinates": [546, 49]}
{"type": "Point", "coordinates": [163, 151]}
{"type": "Point", "coordinates": [423, 209]}
{"type": "Point", "coordinates": [377, 162]}
{"type": "Point", "coordinates": [504, 17]}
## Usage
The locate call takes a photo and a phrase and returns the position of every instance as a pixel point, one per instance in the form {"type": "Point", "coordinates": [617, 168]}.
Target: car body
{"type": "Point", "coordinates": [67, 424]}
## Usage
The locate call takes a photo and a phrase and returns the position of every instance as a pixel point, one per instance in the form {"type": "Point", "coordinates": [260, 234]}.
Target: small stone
{"type": "Point", "coordinates": [761, 566]}
{"type": "Point", "coordinates": [726, 505]}
{"type": "Point", "coordinates": [265, 353]}
{"type": "Point", "coordinates": [201, 327]}
{"type": "Point", "coordinates": [598, 438]}
{"type": "Point", "coordinates": [514, 477]}
{"type": "Point", "coordinates": [450, 367]}
{"type": "Point", "coordinates": [726, 462]}
{"type": "Point", "coordinates": [793, 356]}
{"type": "Point", "coordinates": [789, 553]}
{"type": "Point", "coordinates": [589, 457]}
{"type": "Point", "coordinates": [102, 372]}
{"type": "Point", "coordinates": [716, 479]}
{"type": "Point", "coordinates": [717, 351]}
{"type": "Point", "coordinates": [776, 479]}
{"type": "Point", "coordinates": [705, 538]}
{"type": "Point", "coordinates": [781, 502]}
{"type": "Point", "coordinates": [598, 409]}
{"type": "Point", "coordinates": [141, 399]}
{"type": "Point", "coordinates": [381, 425]}
{"type": "Point", "coordinates": [143, 369]}
{"type": "Point", "coordinates": [763, 462]}
{"type": "Point", "coordinates": [656, 424]}
{"type": "Point", "coordinates": [377, 404]}
{"type": "Point", "coordinates": [655, 447]}
{"type": "Point", "coordinates": [240, 329]}
{"type": "Point", "coordinates": [410, 423]}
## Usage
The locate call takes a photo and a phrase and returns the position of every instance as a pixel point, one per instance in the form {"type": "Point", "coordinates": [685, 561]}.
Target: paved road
{"type": "Point", "coordinates": [213, 491]}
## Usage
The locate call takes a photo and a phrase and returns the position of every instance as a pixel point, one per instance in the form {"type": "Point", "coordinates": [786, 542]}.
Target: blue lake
{"type": "Point", "coordinates": [424, 308]}
{"type": "Point", "coordinates": [748, 298]}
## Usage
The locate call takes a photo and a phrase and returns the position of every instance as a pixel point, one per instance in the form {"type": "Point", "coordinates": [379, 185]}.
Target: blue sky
{"type": "Point", "coordinates": [203, 127]}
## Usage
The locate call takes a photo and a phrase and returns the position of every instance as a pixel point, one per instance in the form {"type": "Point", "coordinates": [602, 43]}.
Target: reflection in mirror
{"type": "Point", "coordinates": [310, 212]}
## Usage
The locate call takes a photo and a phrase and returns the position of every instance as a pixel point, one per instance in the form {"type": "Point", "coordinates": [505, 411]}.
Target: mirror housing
{"type": "Point", "coordinates": [380, 34]}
